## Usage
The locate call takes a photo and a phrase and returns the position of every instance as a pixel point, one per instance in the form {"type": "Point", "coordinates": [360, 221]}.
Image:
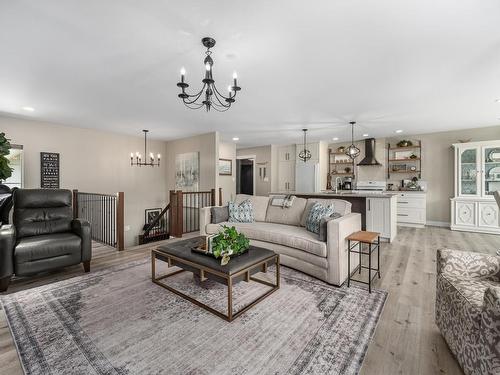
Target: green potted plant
{"type": "Point", "coordinates": [229, 243]}
{"type": "Point", "coordinates": [5, 169]}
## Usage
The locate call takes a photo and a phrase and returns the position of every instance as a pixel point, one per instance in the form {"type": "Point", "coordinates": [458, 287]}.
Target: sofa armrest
{"type": "Point", "coordinates": [490, 330]}
{"type": "Point", "coordinates": [205, 218]}
{"type": "Point", "coordinates": [467, 264]}
{"type": "Point", "coordinates": [336, 242]}
{"type": "Point", "coordinates": [7, 241]}
{"type": "Point", "coordinates": [82, 229]}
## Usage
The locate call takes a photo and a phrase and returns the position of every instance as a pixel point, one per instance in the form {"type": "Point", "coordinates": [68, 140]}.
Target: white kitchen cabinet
{"type": "Point", "coordinates": [381, 216]}
{"type": "Point", "coordinates": [286, 176]}
{"type": "Point", "coordinates": [411, 208]}
{"type": "Point", "coordinates": [286, 153]}
{"type": "Point", "coordinates": [477, 176]}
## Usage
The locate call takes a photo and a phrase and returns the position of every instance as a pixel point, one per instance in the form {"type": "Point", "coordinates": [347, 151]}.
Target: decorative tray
{"type": "Point", "coordinates": [201, 249]}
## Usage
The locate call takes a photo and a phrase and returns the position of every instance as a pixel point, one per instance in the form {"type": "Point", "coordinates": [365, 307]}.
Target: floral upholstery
{"type": "Point", "coordinates": [468, 308]}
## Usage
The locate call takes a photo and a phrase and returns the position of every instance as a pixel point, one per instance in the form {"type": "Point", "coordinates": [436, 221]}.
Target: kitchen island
{"type": "Point", "coordinates": [378, 209]}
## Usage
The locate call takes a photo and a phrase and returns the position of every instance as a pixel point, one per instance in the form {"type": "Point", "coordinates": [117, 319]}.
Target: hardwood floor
{"type": "Point", "coordinates": [406, 341]}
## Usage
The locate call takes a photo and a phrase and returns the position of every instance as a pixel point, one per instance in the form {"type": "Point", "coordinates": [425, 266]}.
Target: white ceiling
{"type": "Point", "coordinates": [420, 66]}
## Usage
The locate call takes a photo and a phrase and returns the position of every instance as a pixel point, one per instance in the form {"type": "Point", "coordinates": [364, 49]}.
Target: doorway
{"type": "Point", "coordinates": [245, 183]}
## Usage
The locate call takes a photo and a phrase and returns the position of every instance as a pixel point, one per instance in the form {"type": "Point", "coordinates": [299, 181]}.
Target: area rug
{"type": "Point", "coordinates": [118, 322]}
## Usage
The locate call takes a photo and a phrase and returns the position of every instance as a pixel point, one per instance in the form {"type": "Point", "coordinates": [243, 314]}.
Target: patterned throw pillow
{"type": "Point", "coordinates": [317, 212]}
{"type": "Point", "coordinates": [242, 213]}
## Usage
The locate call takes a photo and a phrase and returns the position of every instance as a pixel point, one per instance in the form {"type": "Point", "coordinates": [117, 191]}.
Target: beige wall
{"type": "Point", "coordinates": [93, 161]}
{"type": "Point", "coordinates": [228, 183]}
{"type": "Point", "coordinates": [437, 165]}
{"type": "Point", "coordinates": [208, 147]}
{"type": "Point", "coordinates": [263, 159]}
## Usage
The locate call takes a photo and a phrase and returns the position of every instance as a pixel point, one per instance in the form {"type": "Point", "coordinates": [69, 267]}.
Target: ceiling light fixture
{"type": "Point", "coordinates": [398, 131]}
{"type": "Point", "coordinates": [138, 157]}
{"type": "Point", "coordinates": [236, 139]}
{"type": "Point", "coordinates": [365, 135]}
{"type": "Point", "coordinates": [28, 109]}
{"type": "Point", "coordinates": [335, 138]}
{"type": "Point", "coordinates": [352, 151]}
{"type": "Point", "coordinates": [305, 154]}
{"type": "Point", "coordinates": [497, 100]}
{"type": "Point", "coordinates": [212, 96]}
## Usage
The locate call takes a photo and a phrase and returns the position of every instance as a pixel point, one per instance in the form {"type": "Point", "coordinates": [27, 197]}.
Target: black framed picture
{"type": "Point", "coordinates": [150, 214]}
{"type": "Point", "coordinates": [225, 167]}
{"type": "Point", "coordinates": [49, 170]}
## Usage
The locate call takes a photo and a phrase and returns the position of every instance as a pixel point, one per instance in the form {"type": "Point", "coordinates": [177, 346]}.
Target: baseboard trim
{"type": "Point", "coordinates": [444, 224]}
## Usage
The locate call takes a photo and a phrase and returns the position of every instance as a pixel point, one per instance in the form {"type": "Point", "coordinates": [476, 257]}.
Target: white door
{"type": "Point", "coordinates": [465, 213]}
{"type": "Point", "coordinates": [488, 214]}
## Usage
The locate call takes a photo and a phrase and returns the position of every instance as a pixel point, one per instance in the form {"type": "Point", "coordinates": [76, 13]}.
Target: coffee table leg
{"type": "Point", "coordinates": [153, 264]}
{"type": "Point", "coordinates": [230, 298]}
{"type": "Point", "coordinates": [278, 270]}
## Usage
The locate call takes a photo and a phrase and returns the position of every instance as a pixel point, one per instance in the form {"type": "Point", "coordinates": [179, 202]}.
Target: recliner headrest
{"type": "Point", "coordinates": [38, 198]}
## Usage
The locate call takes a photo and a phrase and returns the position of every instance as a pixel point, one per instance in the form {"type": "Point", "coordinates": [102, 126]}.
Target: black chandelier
{"type": "Point", "coordinates": [352, 151]}
{"type": "Point", "coordinates": [209, 96]}
{"type": "Point", "coordinates": [138, 157]}
{"type": "Point", "coordinates": [305, 154]}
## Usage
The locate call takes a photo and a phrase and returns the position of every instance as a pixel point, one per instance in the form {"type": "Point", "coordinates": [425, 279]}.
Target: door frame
{"type": "Point", "coordinates": [254, 159]}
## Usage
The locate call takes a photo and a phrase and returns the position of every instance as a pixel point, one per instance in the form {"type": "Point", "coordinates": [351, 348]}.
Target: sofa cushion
{"type": "Point", "coordinates": [316, 213]}
{"type": "Point", "coordinates": [241, 213]}
{"type": "Point", "coordinates": [287, 215]}
{"type": "Point", "coordinates": [29, 249]}
{"type": "Point", "coordinates": [259, 205]}
{"type": "Point", "coordinates": [219, 214]}
{"type": "Point", "coordinates": [287, 235]}
{"type": "Point", "coordinates": [339, 205]}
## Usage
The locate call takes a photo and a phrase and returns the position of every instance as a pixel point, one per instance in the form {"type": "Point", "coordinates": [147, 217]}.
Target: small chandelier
{"type": "Point", "coordinates": [305, 154]}
{"type": "Point", "coordinates": [352, 151]}
{"type": "Point", "coordinates": [209, 96]}
{"type": "Point", "coordinates": [138, 157]}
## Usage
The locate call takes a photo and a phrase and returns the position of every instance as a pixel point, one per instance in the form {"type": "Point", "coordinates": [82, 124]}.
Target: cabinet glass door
{"type": "Point", "coordinates": [491, 175]}
{"type": "Point", "coordinates": [468, 170]}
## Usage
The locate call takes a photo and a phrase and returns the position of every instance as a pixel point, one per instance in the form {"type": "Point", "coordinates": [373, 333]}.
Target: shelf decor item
{"type": "Point", "coordinates": [341, 149]}
{"type": "Point", "coordinates": [404, 143]}
{"type": "Point", "coordinates": [347, 170]}
{"type": "Point", "coordinates": [209, 96]}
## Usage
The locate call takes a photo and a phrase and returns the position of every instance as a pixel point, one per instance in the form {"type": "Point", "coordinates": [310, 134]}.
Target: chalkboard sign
{"type": "Point", "coordinates": [49, 170]}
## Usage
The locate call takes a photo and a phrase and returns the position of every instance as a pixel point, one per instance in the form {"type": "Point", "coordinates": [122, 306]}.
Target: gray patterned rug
{"type": "Point", "coordinates": [118, 322]}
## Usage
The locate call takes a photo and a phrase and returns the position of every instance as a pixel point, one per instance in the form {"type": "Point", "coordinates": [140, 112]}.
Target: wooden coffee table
{"type": "Point", "coordinates": [239, 268]}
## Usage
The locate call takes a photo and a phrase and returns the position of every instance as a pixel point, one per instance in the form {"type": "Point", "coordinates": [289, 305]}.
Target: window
{"type": "Point", "coordinates": [16, 160]}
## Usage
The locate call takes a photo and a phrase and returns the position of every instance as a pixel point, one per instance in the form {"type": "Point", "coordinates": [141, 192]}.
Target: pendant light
{"type": "Point", "coordinates": [305, 154]}
{"type": "Point", "coordinates": [352, 151]}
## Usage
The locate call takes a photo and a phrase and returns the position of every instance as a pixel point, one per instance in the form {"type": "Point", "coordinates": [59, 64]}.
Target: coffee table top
{"type": "Point", "coordinates": [182, 249]}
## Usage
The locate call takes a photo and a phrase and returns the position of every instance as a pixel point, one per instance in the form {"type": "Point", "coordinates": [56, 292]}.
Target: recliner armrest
{"type": "Point", "coordinates": [82, 229]}
{"type": "Point", "coordinates": [7, 242]}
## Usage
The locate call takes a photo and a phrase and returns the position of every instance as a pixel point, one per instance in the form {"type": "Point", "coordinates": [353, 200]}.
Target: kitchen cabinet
{"type": "Point", "coordinates": [411, 209]}
{"type": "Point", "coordinates": [286, 176]}
{"type": "Point", "coordinates": [286, 153]}
{"type": "Point", "coordinates": [381, 216]}
{"type": "Point", "coordinates": [477, 176]}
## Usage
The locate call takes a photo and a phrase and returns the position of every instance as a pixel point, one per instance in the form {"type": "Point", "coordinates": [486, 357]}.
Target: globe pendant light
{"type": "Point", "coordinates": [352, 151]}
{"type": "Point", "coordinates": [305, 154]}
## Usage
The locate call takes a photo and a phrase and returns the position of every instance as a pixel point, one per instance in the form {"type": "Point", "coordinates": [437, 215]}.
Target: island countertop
{"type": "Point", "coordinates": [341, 194]}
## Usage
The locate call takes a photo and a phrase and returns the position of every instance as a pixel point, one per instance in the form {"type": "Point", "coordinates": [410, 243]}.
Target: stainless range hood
{"type": "Point", "coordinates": [369, 153]}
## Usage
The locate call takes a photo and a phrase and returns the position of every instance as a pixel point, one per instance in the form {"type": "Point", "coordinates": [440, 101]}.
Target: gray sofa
{"type": "Point", "coordinates": [283, 231]}
{"type": "Point", "coordinates": [468, 308]}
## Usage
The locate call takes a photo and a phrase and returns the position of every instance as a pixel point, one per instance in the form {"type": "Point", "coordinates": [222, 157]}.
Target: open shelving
{"type": "Point", "coordinates": [398, 156]}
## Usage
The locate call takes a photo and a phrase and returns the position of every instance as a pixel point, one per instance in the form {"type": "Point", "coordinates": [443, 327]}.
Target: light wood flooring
{"type": "Point", "coordinates": [406, 340]}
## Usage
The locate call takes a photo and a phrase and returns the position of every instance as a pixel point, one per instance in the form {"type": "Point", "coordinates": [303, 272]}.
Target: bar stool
{"type": "Point", "coordinates": [372, 239]}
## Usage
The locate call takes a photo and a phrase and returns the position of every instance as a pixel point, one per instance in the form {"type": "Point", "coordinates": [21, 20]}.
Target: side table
{"type": "Point", "coordinates": [372, 239]}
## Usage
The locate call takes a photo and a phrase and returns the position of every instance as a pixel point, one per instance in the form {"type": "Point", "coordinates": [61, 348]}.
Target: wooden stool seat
{"type": "Point", "coordinates": [364, 236]}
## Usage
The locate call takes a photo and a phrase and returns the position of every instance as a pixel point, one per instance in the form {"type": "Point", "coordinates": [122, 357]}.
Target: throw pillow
{"type": "Point", "coordinates": [219, 214]}
{"type": "Point", "coordinates": [317, 212]}
{"type": "Point", "coordinates": [323, 225]}
{"type": "Point", "coordinates": [241, 213]}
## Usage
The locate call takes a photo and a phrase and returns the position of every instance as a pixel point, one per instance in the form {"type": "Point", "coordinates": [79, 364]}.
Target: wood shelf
{"type": "Point", "coordinates": [409, 159]}
{"type": "Point", "coordinates": [342, 174]}
{"type": "Point", "coordinates": [343, 162]}
{"type": "Point", "coordinates": [404, 148]}
{"type": "Point", "coordinates": [404, 171]}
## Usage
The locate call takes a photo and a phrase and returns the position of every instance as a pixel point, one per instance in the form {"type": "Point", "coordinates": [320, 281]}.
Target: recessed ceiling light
{"type": "Point", "coordinates": [365, 135]}
{"type": "Point", "coordinates": [236, 139]}
{"type": "Point", "coordinates": [29, 109]}
{"type": "Point", "coordinates": [335, 138]}
{"type": "Point", "coordinates": [497, 100]}
{"type": "Point", "coordinates": [399, 131]}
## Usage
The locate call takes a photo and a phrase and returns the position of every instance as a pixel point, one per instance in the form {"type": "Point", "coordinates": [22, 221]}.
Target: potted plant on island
{"type": "Point", "coordinates": [228, 243]}
{"type": "Point", "coordinates": [5, 169]}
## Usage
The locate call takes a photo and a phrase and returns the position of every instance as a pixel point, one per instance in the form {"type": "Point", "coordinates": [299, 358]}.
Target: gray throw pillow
{"type": "Point", "coordinates": [323, 225]}
{"type": "Point", "coordinates": [219, 214]}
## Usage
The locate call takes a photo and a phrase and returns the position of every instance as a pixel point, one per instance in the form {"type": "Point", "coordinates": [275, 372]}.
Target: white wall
{"type": "Point", "coordinates": [228, 183]}
{"type": "Point", "coordinates": [93, 161]}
